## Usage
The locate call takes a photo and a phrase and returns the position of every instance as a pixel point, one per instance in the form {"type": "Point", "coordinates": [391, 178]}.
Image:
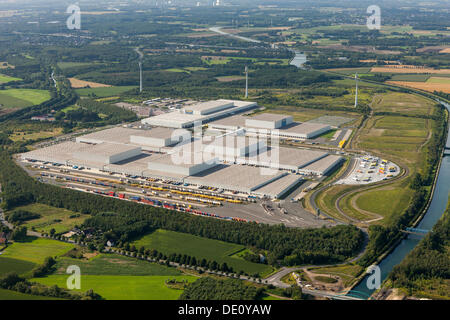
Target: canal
{"type": "Point", "coordinates": [434, 212]}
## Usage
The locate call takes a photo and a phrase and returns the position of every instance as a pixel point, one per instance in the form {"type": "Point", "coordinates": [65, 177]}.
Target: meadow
{"type": "Point", "coordinates": [14, 295]}
{"type": "Point", "coordinates": [401, 137]}
{"type": "Point", "coordinates": [20, 98]}
{"type": "Point", "coordinates": [61, 220]}
{"type": "Point", "coordinates": [169, 242]}
{"type": "Point", "coordinates": [113, 264]}
{"type": "Point", "coordinates": [8, 265]}
{"type": "Point", "coordinates": [67, 65]}
{"type": "Point", "coordinates": [6, 79]}
{"type": "Point", "coordinates": [35, 250]}
{"type": "Point", "coordinates": [123, 287]}
{"type": "Point", "coordinates": [44, 134]}
{"type": "Point", "coordinates": [346, 272]}
{"type": "Point", "coordinates": [404, 103]}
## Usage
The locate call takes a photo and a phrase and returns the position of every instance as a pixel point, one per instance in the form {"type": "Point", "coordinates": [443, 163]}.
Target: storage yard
{"type": "Point", "coordinates": [175, 169]}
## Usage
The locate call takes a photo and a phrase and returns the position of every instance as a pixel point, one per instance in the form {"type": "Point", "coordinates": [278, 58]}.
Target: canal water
{"type": "Point", "coordinates": [435, 211]}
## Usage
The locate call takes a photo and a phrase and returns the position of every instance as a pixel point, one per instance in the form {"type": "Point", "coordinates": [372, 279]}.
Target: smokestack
{"type": "Point", "coordinates": [356, 93]}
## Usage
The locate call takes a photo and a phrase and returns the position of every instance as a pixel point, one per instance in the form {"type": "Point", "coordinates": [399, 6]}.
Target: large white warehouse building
{"type": "Point", "coordinates": [199, 114]}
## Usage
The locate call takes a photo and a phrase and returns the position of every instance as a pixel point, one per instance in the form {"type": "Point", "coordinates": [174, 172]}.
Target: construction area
{"type": "Point", "coordinates": [177, 169]}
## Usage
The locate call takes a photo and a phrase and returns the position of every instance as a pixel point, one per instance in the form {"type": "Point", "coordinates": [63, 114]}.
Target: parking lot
{"type": "Point", "coordinates": [369, 169]}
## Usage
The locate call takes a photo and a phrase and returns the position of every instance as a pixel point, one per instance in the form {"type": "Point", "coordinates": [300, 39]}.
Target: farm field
{"type": "Point", "coordinates": [426, 86]}
{"type": "Point", "coordinates": [410, 77]}
{"type": "Point", "coordinates": [409, 69]}
{"type": "Point", "coordinates": [52, 218]}
{"type": "Point", "coordinates": [404, 103]}
{"type": "Point", "coordinates": [8, 265]}
{"type": "Point", "coordinates": [14, 295]}
{"type": "Point", "coordinates": [67, 65]}
{"type": "Point", "coordinates": [229, 78]}
{"type": "Point", "coordinates": [21, 98]}
{"type": "Point", "coordinates": [349, 71]}
{"type": "Point", "coordinates": [24, 136]}
{"type": "Point", "coordinates": [6, 79]}
{"type": "Point", "coordinates": [124, 287]}
{"type": "Point", "coordinates": [169, 242]}
{"type": "Point", "coordinates": [305, 114]}
{"type": "Point", "coordinates": [440, 80]}
{"type": "Point", "coordinates": [76, 84]}
{"type": "Point", "coordinates": [104, 92]}
{"type": "Point", "coordinates": [113, 264]}
{"type": "Point", "coordinates": [401, 137]}
{"type": "Point", "coordinates": [5, 65]}
{"type": "Point", "coordinates": [36, 250]}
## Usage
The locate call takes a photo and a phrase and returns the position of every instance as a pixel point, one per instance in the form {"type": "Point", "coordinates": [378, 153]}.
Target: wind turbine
{"type": "Point", "coordinates": [356, 93]}
{"type": "Point", "coordinates": [140, 73]}
{"type": "Point", "coordinates": [246, 82]}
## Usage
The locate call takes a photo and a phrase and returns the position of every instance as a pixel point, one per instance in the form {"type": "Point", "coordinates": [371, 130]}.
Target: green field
{"type": "Point", "coordinates": [397, 136]}
{"type": "Point", "coordinates": [52, 218]}
{"type": "Point", "coordinates": [6, 79]}
{"type": "Point", "coordinates": [442, 80]}
{"type": "Point", "coordinates": [346, 272]}
{"type": "Point", "coordinates": [8, 265]}
{"type": "Point", "coordinates": [13, 295]}
{"type": "Point", "coordinates": [386, 202]}
{"type": "Point", "coordinates": [67, 65]}
{"type": "Point", "coordinates": [404, 103]}
{"type": "Point", "coordinates": [176, 70]}
{"type": "Point", "coordinates": [112, 264]}
{"type": "Point", "coordinates": [410, 77]}
{"type": "Point", "coordinates": [169, 242]}
{"type": "Point", "coordinates": [104, 92]}
{"type": "Point", "coordinates": [20, 98]}
{"type": "Point", "coordinates": [123, 287]}
{"type": "Point", "coordinates": [36, 250]}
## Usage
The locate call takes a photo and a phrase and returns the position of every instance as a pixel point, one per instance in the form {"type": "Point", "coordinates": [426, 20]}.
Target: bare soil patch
{"type": "Point", "coordinates": [77, 84]}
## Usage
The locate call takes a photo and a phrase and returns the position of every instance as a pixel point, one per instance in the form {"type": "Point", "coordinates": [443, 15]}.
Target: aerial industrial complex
{"type": "Point", "coordinates": [242, 158]}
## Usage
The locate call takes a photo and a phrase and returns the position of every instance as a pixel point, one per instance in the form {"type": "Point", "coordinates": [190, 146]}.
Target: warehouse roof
{"type": "Point", "coordinates": [234, 177]}
{"type": "Point", "coordinates": [286, 157]}
{"type": "Point", "coordinates": [323, 164]}
{"type": "Point", "coordinates": [160, 132]}
{"type": "Point", "coordinates": [122, 135]}
{"type": "Point", "coordinates": [65, 151]}
{"type": "Point", "coordinates": [269, 117]}
{"type": "Point", "coordinates": [278, 187]}
{"type": "Point", "coordinates": [210, 105]}
{"type": "Point", "coordinates": [234, 121]}
{"type": "Point", "coordinates": [303, 128]}
{"type": "Point", "coordinates": [106, 149]}
{"type": "Point", "coordinates": [180, 159]}
{"type": "Point", "coordinates": [176, 117]}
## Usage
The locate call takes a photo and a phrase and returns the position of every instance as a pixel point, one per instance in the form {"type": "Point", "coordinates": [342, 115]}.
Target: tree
{"type": "Point", "coordinates": [19, 233]}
